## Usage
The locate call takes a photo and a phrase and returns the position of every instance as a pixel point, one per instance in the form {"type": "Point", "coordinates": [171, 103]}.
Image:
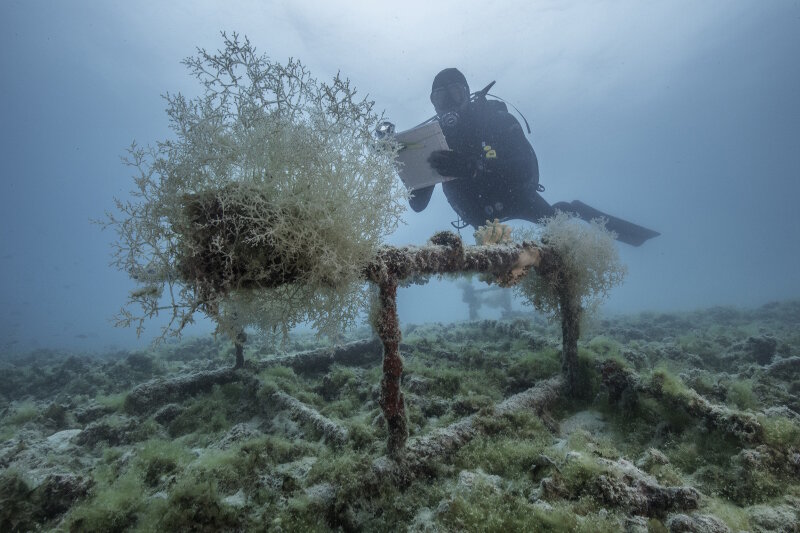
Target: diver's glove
{"type": "Point", "coordinates": [452, 164]}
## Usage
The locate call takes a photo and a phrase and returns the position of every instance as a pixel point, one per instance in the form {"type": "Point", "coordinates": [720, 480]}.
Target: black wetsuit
{"type": "Point", "coordinates": [504, 171]}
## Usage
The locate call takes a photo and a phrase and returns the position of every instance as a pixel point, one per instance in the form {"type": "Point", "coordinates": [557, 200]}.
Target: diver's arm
{"type": "Point", "coordinates": [419, 198]}
{"type": "Point", "coordinates": [505, 155]}
{"type": "Point", "coordinates": [453, 164]}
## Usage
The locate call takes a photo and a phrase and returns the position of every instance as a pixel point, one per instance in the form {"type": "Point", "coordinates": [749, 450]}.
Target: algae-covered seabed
{"type": "Point", "coordinates": [687, 422]}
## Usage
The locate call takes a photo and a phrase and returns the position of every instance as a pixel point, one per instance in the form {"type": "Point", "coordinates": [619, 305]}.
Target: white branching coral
{"type": "Point", "coordinates": [265, 206]}
{"type": "Point", "coordinates": [590, 263]}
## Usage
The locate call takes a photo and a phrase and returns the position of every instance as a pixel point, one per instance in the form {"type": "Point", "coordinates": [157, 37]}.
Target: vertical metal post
{"type": "Point", "coordinates": [392, 402]}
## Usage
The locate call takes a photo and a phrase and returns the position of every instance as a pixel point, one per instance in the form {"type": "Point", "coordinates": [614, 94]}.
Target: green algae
{"type": "Point", "coordinates": [194, 504]}
{"type": "Point", "coordinates": [157, 459]}
{"type": "Point", "coordinates": [512, 445]}
{"type": "Point", "coordinates": [17, 511]}
{"type": "Point", "coordinates": [234, 459]}
{"type": "Point", "coordinates": [112, 402]}
{"type": "Point", "coordinates": [780, 431]}
{"type": "Point", "coordinates": [22, 413]}
{"type": "Point", "coordinates": [113, 506]}
{"type": "Point", "coordinates": [486, 509]}
{"type": "Point", "coordinates": [208, 415]}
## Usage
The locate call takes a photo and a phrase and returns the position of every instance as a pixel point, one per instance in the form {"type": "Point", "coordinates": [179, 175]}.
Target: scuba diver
{"type": "Point", "coordinates": [495, 168]}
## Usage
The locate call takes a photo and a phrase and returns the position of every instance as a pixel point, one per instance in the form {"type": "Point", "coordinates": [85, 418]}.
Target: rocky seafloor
{"type": "Point", "coordinates": [684, 422]}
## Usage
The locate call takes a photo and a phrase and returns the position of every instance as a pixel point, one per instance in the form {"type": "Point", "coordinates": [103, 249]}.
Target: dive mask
{"type": "Point", "coordinates": [449, 97]}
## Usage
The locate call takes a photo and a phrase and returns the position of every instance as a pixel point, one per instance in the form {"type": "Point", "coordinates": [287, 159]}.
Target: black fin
{"type": "Point", "coordinates": [627, 232]}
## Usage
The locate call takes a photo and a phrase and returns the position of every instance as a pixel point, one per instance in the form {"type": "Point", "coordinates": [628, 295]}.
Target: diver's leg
{"type": "Point", "coordinates": [566, 207]}
{"type": "Point", "coordinates": [528, 204]}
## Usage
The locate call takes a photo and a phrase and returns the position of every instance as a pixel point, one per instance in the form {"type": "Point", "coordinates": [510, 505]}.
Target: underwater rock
{"type": "Point", "coordinates": [321, 494]}
{"type": "Point", "coordinates": [430, 407]}
{"type": "Point", "coordinates": [590, 421]}
{"type": "Point", "coordinates": [417, 384]}
{"type": "Point", "coordinates": [782, 411]}
{"type": "Point", "coordinates": [116, 433]}
{"type": "Point", "coordinates": [445, 355]}
{"type": "Point", "coordinates": [58, 492]}
{"type": "Point", "coordinates": [635, 358]}
{"type": "Point", "coordinates": [283, 424]}
{"type": "Point", "coordinates": [341, 381]}
{"type": "Point", "coordinates": [713, 385]}
{"type": "Point", "coordinates": [62, 440]}
{"type": "Point", "coordinates": [294, 474]}
{"type": "Point", "coordinates": [423, 522]}
{"type": "Point", "coordinates": [540, 466]}
{"type": "Point", "coordinates": [761, 349]}
{"type": "Point", "coordinates": [269, 482]}
{"type": "Point", "coordinates": [636, 524]}
{"type": "Point", "coordinates": [573, 455]}
{"type": "Point", "coordinates": [467, 479]}
{"type": "Point", "coordinates": [55, 415]}
{"type": "Point", "coordinates": [239, 433]}
{"type": "Point", "coordinates": [626, 333]}
{"type": "Point", "coordinates": [149, 396]}
{"type": "Point", "coordinates": [237, 500]}
{"type": "Point", "coordinates": [628, 487]}
{"type": "Point", "coordinates": [675, 352]}
{"type": "Point", "coordinates": [786, 369]}
{"type": "Point", "coordinates": [167, 413]}
{"type": "Point", "coordinates": [641, 497]}
{"type": "Point", "coordinates": [27, 500]}
{"type": "Point", "coordinates": [468, 404]}
{"type": "Point", "coordinates": [90, 413]}
{"type": "Point", "coordinates": [31, 452]}
{"type": "Point", "coordinates": [542, 505]}
{"type": "Point", "coordinates": [651, 458]}
{"type": "Point", "coordinates": [141, 363]}
{"type": "Point", "coordinates": [681, 523]}
{"type": "Point", "coordinates": [518, 330]}
{"type": "Point", "coordinates": [550, 488]}
{"type": "Point", "coordinates": [356, 353]}
{"type": "Point", "coordinates": [786, 462]}
{"type": "Point", "coordinates": [303, 413]}
{"type": "Point", "coordinates": [781, 518]}
{"type": "Point", "coordinates": [723, 315]}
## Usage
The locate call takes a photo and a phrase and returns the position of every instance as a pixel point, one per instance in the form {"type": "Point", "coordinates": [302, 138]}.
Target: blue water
{"type": "Point", "coordinates": [682, 116]}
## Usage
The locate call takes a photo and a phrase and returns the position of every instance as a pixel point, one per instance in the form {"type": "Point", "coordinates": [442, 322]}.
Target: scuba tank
{"type": "Point", "coordinates": [483, 93]}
